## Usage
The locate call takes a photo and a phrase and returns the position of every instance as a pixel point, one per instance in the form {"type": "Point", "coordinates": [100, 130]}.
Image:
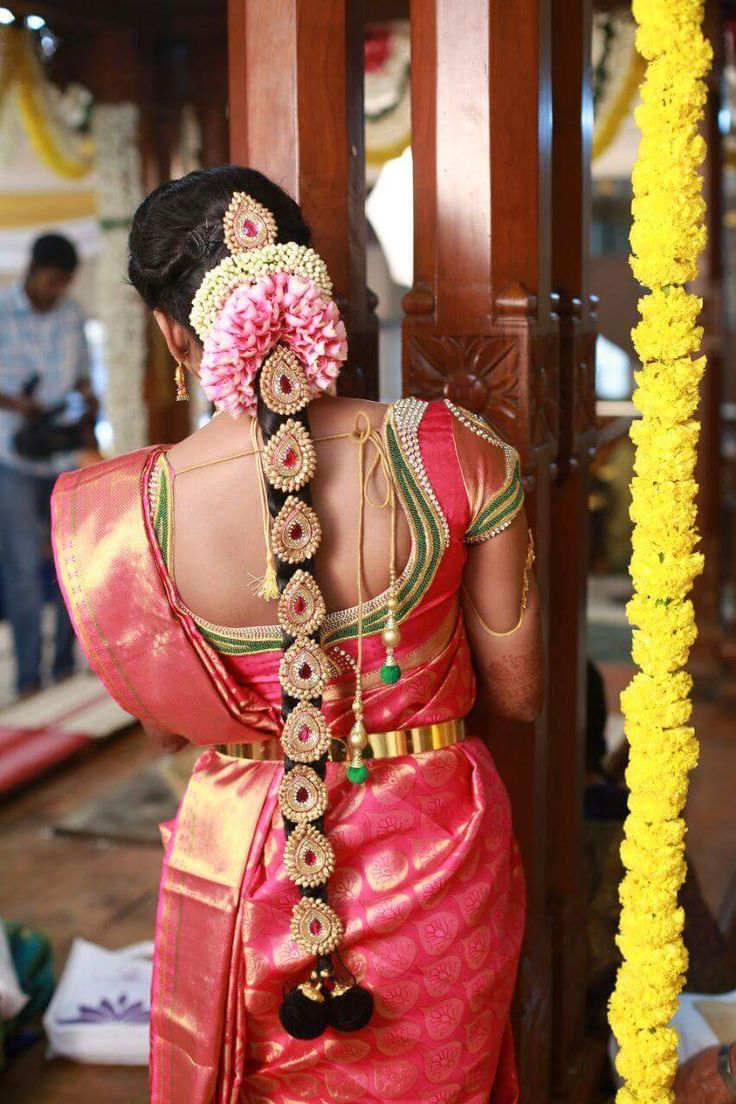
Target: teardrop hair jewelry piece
{"type": "Point", "coordinates": [302, 795]}
{"type": "Point", "coordinates": [301, 605]}
{"type": "Point", "coordinates": [296, 532]}
{"type": "Point", "coordinates": [180, 376]}
{"type": "Point", "coordinates": [306, 736]}
{"type": "Point", "coordinates": [247, 224]}
{"type": "Point", "coordinates": [308, 857]}
{"type": "Point", "coordinates": [316, 928]}
{"type": "Point", "coordinates": [283, 384]}
{"type": "Point", "coordinates": [304, 669]}
{"type": "Point", "coordinates": [290, 458]}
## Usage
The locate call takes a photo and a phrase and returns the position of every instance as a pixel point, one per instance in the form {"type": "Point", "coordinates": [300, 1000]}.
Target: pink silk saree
{"type": "Point", "coordinates": [428, 878]}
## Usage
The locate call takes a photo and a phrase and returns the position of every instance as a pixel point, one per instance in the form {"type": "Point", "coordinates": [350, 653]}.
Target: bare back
{"type": "Point", "coordinates": [219, 542]}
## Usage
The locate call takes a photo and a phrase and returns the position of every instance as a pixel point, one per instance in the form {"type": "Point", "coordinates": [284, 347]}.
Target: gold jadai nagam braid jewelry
{"type": "Point", "coordinates": [316, 927]}
{"type": "Point", "coordinates": [288, 463]}
{"type": "Point", "coordinates": [302, 795]}
{"type": "Point", "coordinates": [248, 224]}
{"type": "Point", "coordinates": [304, 669]}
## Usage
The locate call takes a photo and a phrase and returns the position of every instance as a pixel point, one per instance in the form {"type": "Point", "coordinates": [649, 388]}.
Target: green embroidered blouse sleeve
{"type": "Point", "coordinates": [492, 473]}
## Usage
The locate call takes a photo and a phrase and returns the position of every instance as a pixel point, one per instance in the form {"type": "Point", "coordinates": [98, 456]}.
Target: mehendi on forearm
{"type": "Point", "coordinates": [514, 683]}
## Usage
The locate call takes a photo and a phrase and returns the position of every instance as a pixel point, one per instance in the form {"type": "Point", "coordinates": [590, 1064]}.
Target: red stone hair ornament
{"type": "Point", "coordinates": [248, 224]}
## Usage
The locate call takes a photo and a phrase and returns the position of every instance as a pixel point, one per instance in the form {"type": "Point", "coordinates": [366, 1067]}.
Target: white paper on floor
{"type": "Point", "coordinates": [101, 1009]}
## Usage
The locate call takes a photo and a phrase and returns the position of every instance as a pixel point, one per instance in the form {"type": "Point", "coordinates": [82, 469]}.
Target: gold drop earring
{"type": "Point", "coordinates": [182, 391]}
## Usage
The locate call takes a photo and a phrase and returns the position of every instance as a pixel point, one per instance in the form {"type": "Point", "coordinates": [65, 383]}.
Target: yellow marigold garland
{"type": "Point", "coordinates": [667, 236]}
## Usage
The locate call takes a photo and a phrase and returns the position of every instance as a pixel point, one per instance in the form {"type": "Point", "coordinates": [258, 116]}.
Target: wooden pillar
{"type": "Point", "coordinates": [480, 328]}
{"type": "Point", "coordinates": [577, 1061]}
{"type": "Point", "coordinates": [296, 113]}
{"type": "Point", "coordinates": [210, 97]}
{"type": "Point", "coordinates": [169, 85]}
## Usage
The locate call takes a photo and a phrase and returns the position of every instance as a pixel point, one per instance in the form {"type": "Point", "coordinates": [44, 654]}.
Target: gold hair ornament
{"type": "Point", "coordinates": [316, 928]}
{"type": "Point", "coordinates": [304, 669]}
{"type": "Point", "coordinates": [289, 459]}
{"type": "Point", "coordinates": [302, 795]}
{"type": "Point", "coordinates": [283, 385]}
{"type": "Point", "coordinates": [301, 605]}
{"type": "Point", "coordinates": [308, 857]}
{"type": "Point", "coordinates": [306, 736]}
{"type": "Point", "coordinates": [248, 224]}
{"type": "Point", "coordinates": [296, 531]}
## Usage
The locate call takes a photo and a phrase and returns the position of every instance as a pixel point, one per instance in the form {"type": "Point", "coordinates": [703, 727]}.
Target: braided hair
{"type": "Point", "coordinates": [176, 238]}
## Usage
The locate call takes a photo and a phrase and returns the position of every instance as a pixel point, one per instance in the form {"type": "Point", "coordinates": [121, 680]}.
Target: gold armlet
{"type": "Point", "coordinates": [524, 596]}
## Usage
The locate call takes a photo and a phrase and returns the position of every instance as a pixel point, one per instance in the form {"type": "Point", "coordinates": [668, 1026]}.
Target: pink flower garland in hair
{"type": "Point", "coordinates": [279, 307]}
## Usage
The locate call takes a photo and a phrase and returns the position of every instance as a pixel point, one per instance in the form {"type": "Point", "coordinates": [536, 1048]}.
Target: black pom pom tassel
{"type": "Point", "coordinates": [304, 1012]}
{"type": "Point", "coordinates": [350, 1008]}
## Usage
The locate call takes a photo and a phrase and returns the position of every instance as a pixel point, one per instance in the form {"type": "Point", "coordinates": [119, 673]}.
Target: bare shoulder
{"type": "Point", "coordinates": [222, 436]}
{"type": "Point", "coordinates": [338, 414]}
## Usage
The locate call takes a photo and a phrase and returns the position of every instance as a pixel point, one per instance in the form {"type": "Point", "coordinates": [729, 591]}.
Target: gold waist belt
{"type": "Point", "coordinates": [381, 745]}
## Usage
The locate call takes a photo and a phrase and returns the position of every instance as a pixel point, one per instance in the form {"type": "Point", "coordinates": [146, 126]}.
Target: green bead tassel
{"type": "Point", "coordinates": [357, 775]}
{"type": "Point", "coordinates": [390, 673]}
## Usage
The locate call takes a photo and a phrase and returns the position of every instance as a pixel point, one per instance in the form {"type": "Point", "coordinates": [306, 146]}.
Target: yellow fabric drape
{"type": "Point", "coordinates": [39, 208]}
{"type": "Point", "coordinates": [21, 74]}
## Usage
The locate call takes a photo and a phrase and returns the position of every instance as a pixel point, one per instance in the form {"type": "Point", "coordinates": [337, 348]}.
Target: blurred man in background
{"type": "Point", "coordinates": [46, 409]}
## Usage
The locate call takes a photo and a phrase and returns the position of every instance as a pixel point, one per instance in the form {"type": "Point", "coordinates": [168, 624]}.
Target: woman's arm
{"type": "Point", "coordinates": [505, 639]}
